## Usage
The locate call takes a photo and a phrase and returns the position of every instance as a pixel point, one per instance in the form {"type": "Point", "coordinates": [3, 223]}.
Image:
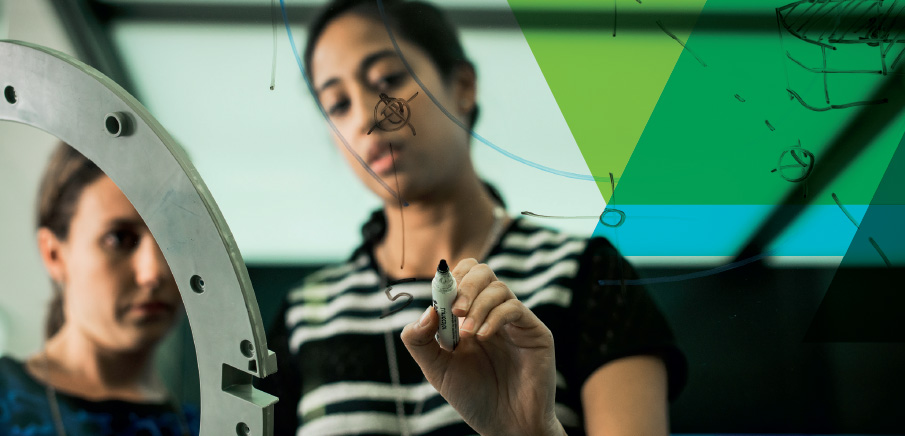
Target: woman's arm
{"type": "Point", "coordinates": [627, 397]}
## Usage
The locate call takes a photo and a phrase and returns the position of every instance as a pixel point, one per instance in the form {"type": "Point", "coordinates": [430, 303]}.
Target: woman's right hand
{"type": "Point", "coordinates": [502, 376]}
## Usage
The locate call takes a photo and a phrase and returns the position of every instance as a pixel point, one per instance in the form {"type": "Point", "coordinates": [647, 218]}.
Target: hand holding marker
{"type": "Point", "coordinates": [443, 288]}
{"type": "Point", "coordinates": [502, 381]}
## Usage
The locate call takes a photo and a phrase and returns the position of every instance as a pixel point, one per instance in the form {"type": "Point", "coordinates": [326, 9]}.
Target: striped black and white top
{"type": "Point", "coordinates": [337, 354]}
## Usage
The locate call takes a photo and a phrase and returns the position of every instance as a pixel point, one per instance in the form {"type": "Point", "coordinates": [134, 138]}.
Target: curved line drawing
{"type": "Point", "coordinates": [807, 167]}
{"type": "Point", "coordinates": [320, 107]}
{"type": "Point", "coordinates": [858, 226]}
{"type": "Point", "coordinates": [485, 141]}
{"type": "Point", "coordinates": [793, 94]}
{"type": "Point", "coordinates": [606, 210]}
{"type": "Point", "coordinates": [861, 22]}
{"type": "Point", "coordinates": [617, 211]}
{"type": "Point", "coordinates": [689, 276]}
{"type": "Point", "coordinates": [409, 297]}
{"type": "Point", "coordinates": [558, 217]}
{"type": "Point", "coordinates": [676, 38]}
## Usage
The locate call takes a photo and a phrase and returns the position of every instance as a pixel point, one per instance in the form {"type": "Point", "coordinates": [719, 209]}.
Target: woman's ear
{"type": "Point", "coordinates": [465, 81]}
{"type": "Point", "coordinates": [51, 249]}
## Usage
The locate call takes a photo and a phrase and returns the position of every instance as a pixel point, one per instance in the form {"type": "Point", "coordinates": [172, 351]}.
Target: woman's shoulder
{"type": "Point", "coordinates": [25, 407]}
{"type": "Point", "coordinates": [535, 247]}
{"type": "Point", "coordinates": [525, 234]}
{"type": "Point", "coordinates": [23, 404]}
{"type": "Point", "coordinates": [538, 264]}
{"type": "Point", "coordinates": [14, 376]}
{"type": "Point", "coordinates": [329, 279]}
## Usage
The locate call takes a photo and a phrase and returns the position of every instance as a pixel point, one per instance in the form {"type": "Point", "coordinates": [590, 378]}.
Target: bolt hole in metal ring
{"type": "Point", "coordinates": [242, 429]}
{"type": "Point", "coordinates": [116, 124]}
{"type": "Point", "coordinates": [10, 94]}
{"type": "Point", "coordinates": [197, 284]}
{"type": "Point", "coordinates": [248, 350]}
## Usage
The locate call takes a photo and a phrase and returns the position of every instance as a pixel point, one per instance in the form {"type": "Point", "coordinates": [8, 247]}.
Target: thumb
{"type": "Point", "coordinates": [418, 338]}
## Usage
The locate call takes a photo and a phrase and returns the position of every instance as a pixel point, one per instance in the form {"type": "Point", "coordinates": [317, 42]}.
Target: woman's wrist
{"type": "Point", "coordinates": [552, 428]}
{"type": "Point", "coordinates": [557, 429]}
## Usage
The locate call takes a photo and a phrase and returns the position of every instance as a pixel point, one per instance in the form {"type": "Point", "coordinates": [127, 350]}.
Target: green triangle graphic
{"type": "Point", "coordinates": [605, 86]}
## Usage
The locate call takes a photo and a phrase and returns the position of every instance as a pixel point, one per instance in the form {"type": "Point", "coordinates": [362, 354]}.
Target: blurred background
{"type": "Point", "coordinates": [790, 319]}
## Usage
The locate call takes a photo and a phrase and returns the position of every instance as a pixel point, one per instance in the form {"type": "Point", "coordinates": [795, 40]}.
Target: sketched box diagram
{"type": "Point", "coordinates": [855, 38]}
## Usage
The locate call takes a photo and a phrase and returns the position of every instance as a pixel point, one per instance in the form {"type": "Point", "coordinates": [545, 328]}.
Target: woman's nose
{"type": "Point", "coordinates": [151, 268]}
{"type": "Point", "coordinates": [364, 113]}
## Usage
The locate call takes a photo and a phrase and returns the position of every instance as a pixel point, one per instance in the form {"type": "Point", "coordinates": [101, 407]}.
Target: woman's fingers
{"type": "Point", "coordinates": [418, 338]}
{"type": "Point", "coordinates": [472, 278]}
{"type": "Point", "coordinates": [462, 268]}
{"type": "Point", "coordinates": [493, 295]}
{"type": "Point", "coordinates": [515, 314]}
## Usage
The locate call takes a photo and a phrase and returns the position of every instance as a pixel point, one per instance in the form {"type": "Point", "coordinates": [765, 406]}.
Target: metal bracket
{"type": "Point", "coordinates": [53, 92]}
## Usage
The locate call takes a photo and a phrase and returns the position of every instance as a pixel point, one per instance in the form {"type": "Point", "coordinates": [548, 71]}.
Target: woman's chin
{"type": "Point", "coordinates": [151, 330]}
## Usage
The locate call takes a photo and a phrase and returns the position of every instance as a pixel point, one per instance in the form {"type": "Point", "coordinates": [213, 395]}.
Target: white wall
{"type": "Point", "coordinates": [24, 287]}
{"type": "Point", "coordinates": [4, 21]}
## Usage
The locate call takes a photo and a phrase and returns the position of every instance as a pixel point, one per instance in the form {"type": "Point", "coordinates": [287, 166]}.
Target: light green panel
{"type": "Point", "coordinates": [606, 86]}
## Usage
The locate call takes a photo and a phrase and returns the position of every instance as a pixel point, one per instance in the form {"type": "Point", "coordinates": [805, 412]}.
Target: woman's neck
{"type": "Point", "coordinates": [453, 225]}
{"type": "Point", "coordinates": [78, 366]}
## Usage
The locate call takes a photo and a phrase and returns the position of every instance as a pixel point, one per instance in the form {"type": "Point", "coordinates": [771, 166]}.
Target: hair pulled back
{"type": "Point", "coordinates": [66, 176]}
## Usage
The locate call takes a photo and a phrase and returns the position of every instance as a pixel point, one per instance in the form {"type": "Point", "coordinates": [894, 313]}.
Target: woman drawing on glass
{"type": "Point", "coordinates": [114, 300]}
{"type": "Point", "coordinates": [344, 369]}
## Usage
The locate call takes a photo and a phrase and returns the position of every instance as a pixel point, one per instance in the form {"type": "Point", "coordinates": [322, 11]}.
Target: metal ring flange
{"type": "Point", "coordinates": [58, 94]}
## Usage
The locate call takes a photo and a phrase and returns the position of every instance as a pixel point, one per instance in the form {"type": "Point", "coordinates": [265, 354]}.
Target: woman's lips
{"type": "Point", "coordinates": [153, 308]}
{"type": "Point", "coordinates": [383, 163]}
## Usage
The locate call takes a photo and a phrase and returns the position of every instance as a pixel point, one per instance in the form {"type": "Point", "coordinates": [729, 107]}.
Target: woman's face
{"type": "Point", "coordinates": [353, 62]}
{"type": "Point", "coordinates": [117, 288]}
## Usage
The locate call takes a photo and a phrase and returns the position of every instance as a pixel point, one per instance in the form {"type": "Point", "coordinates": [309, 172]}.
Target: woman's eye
{"type": "Point", "coordinates": [122, 240]}
{"type": "Point", "coordinates": [338, 108]}
{"type": "Point", "coordinates": [388, 82]}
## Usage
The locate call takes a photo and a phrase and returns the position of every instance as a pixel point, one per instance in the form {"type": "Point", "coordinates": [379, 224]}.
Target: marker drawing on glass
{"type": "Point", "coordinates": [688, 276]}
{"type": "Point", "coordinates": [273, 67]}
{"type": "Point", "coordinates": [401, 214]}
{"type": "Point", "coordinates": [676, 38]}
{"type": "Point", "coordinates": [606, 210]}
{"type": "Point", "coordinates": [858, 226]}
{"type": "Point", "coordinates": [320, 107]}
{"type": "Point", "coordinates": [395, 111]}
{"type": "Point", "coordinates": [804, 168]}
{"type": "Point", "coordinates": [408, 297]}
{"type": "Point", "coordinates": [443, 288]}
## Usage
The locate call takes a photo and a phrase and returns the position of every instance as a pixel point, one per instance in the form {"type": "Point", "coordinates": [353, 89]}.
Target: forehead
{"type": "Point", "coordinates": [345, 42]}
{"type": "Point", "coordinates": [102, 201]}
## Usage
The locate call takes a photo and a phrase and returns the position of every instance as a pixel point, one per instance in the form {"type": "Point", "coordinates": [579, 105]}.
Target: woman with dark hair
{"type": "Point", "coordinates": [342, 371]}
{"type": "Point", "coordinates": [114, 300]}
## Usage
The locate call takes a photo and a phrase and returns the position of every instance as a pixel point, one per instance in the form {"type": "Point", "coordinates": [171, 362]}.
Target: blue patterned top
{"type": "Point", "coordinates": [25, 411]}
